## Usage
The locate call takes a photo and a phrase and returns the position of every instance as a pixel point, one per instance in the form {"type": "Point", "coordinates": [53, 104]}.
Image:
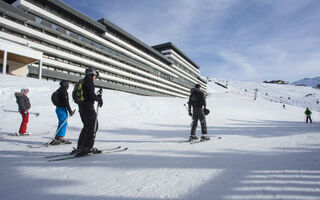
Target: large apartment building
{"type": "Point", "coordinates": [50, 40]}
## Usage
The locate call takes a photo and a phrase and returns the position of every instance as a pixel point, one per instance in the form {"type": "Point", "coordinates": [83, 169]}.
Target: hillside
{"type": "Point", "coordinates": [285, 94]}
{"type": "Point", "coordinates": [312, 82]}
{"type": "Point", "coordinates": [266, 152]}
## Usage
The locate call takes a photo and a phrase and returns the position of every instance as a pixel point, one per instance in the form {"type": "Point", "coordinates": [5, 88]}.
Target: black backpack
{"type": "Point", "coordinates": [194, 98]}
{"type": "Point", "coordinates": [55, 98]}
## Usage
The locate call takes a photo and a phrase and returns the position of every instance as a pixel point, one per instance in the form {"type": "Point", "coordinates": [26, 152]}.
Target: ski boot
{"type": "Point", "coordinates": [204, 137]}
{"type": "Point", "coordinates": [55, 142]}
{"type": "Point", "coordinates": [82, 152]}
{"type": "Point", "coordinates": [74, 151]}
{"type": "Point", "coordinates": [62, 140]}
{"type": "Point", "coordinates": [192, 138]}
{"type": "Point", "coordinates": [22, 134]}
{"type": "Point", "coordinates": [95, 150]}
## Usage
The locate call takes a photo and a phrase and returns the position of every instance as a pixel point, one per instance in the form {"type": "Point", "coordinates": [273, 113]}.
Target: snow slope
{"type": "Point", "coordinates": [302, 96]}
{"type": "Point", "coordinates": [266, 152]}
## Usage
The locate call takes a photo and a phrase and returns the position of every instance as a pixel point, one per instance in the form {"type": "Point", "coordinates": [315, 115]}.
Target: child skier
{"type": "Point", "coordinates": [62, 109]}
{"type": "Point", "coordinates": [24, 106]}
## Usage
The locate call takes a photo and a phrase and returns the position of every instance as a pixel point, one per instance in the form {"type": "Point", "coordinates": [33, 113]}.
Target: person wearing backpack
{"type": "Point", "coordinates": [88, 114]}
{"type": "Point", "coordinates": [24, 106]}
{"type": "Point", "coordinates": [308, 113]}
{"type": "Point", "coordinates": [61, 100]}
{"type": "Point", "coordinates": [198, 103]}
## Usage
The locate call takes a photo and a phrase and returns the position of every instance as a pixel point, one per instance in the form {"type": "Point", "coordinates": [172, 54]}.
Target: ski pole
{"type": "Point", "coordinates": [96, 121]}
{"type": "Point", "coordinates": [190, 116]}
{"type": "Point", "coordinates": [60, 128]}
{"type": "Point", "coordinates": [32, 113]}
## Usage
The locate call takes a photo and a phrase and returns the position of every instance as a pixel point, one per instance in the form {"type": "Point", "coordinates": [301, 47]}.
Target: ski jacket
{"type": "Point", "coordinates": [308, 113]}
{"type": "Point", "coordinates": [88, 91]}
{"type": "Point", "coordinates": [23, 102]}
{"type": "Point", "coordinates": [200, 99]}
{"type": "Point", "coordinates": [63, 99]}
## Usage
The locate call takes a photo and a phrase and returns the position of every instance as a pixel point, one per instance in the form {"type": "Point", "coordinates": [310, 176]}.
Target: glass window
{"type": "Point", "coordinates": [68, 33]}
{"type": "Point", "coordinates": [38, 20]}
{"type": "Point", "coordinates": [54, 27]}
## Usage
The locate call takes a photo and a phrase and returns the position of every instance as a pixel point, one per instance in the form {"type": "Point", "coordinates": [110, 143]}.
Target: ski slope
{"type": "Point", "coordinates": [266, 152]}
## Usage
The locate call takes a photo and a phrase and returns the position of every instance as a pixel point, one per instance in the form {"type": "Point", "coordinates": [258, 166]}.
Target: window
{"type": "Point", "coordinates": [54, 27]}
{"type": "Point", "coordinates": [38, 20]}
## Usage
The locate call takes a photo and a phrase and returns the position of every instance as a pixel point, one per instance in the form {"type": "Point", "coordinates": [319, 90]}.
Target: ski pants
{"type": "Point", "coordinates": [197, 115]}
{"type": "Point", "coordinates": [62, 115]}
{"type": "Point", "coordinates": [88, 134]}
{"type": "Point", "coordinates": [25, 120]}
{"type": "Point", "coordinates": [309, 118]}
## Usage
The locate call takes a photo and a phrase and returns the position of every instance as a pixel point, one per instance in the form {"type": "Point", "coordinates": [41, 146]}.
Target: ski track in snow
{"type": "Point", "coordinates": [266, 152]}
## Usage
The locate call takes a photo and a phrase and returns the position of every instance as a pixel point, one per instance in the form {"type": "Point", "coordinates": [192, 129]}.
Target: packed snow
{"type": "Point", "coordinates": [266, 151]}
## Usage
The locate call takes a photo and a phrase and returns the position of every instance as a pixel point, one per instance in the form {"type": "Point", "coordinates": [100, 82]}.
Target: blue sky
{"type": "Point", "coordinates": [251, 40]}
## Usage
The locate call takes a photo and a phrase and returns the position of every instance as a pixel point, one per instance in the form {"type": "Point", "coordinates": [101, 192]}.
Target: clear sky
{"type": "Point", "coordinates": [252, 40]}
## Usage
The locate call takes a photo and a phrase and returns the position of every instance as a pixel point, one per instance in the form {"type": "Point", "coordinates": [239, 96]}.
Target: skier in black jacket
{"type": "Point", "coordinates": [62, 109]}
{"type": "Point", "coordinates": [198, 102]}
{"type": "Point", "coordinates": [88, 115]}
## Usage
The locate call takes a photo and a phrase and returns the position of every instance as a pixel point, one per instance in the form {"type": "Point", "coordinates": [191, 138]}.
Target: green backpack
{"type": "Point", "coordinates": [77, 93]}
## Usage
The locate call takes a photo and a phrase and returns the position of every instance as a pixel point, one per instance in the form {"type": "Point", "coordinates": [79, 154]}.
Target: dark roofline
{"type": "Point", "coordinates": [5, 7]}
{"type": "Point", "coordinates": [133, 39]}
{"type": "Point", "coordinates": [169, 45]}
{"type": "Point", "coordinates": [77, 14]}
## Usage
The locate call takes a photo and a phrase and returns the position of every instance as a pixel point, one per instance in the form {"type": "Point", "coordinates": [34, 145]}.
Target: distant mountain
{"type": "Point", "coordinates": [312, 82]}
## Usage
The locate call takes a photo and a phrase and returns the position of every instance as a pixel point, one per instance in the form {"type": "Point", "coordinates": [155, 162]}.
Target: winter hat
{"type": "Point", "coordinates": [24, 89]}
{"type": "Point", "coordinates": [64, 84]}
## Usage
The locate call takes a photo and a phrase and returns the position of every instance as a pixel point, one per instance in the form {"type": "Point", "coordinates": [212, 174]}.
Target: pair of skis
{"type": "Point", "coordinates": [69, 156]}
{"type": "Point", "coordinates": [200, 141]}
{"type": "Point", "coordinates": [47, 144]}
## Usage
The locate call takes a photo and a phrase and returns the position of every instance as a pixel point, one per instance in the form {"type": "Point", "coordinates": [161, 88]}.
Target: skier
{"type": "Point", "coordinates": [88, 115]}
{"type": "Point", "coordinates": [198, 103]}
{"type": "Point", "coordinates": [62, 109]}
{"type": "Point", "coordinates": [308, 113]}
{"type": "Point", "coordinates": [24, 106]}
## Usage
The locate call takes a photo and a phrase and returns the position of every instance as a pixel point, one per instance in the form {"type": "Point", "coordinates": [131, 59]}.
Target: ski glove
{"type": "Point", "coordinates": [190, 114]}
{"type": "Point", "coordinates": [100, 101]}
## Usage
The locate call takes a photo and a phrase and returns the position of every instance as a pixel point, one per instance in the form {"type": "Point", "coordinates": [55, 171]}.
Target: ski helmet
{"type": "Point", "coordinates": [64, 83]}
{"type": "Point", "coordinates": [91, 72]}
{"type": "Point", "coordinates": [206, 111]}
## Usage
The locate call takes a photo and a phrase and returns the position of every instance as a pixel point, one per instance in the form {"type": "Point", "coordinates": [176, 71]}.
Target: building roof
{"type": "Point", "coordinates": [5, 7]}
{"type": "Point", "coordinates": [133, 39]}
{"type": "Point", "coordinates": [61, 5]}
{"type": "Point", "coordinates": [169, 45]}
